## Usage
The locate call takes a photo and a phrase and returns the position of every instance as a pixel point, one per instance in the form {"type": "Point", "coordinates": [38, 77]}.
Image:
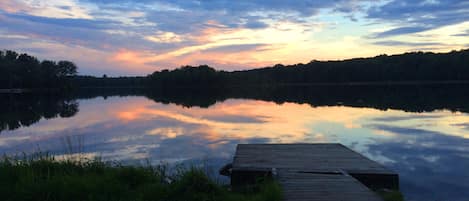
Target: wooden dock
{"type": "Point", "coordinates": [313, 171]}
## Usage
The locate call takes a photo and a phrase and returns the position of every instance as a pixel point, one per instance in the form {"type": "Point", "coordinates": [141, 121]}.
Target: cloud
{"type": "Point", "coordinates": [400, 31]}
{"type": "Point", "coordinates": [305, 7]}
{"type": "Point", "coordinates": [238, 48]}
{"type": "Point", "coordinates": [236, 118]}
{"type": "Point", "coordinates": [185, 16]}
{"type": "Point", "coordinates": [51, 8]}
{"type": "Point", "coordinates": [463, 125]}
{"type": "Point", "coordinates": [84, 33]}
{"type": "Point", "coordinates": [405, 118]}
{"type": "Point", "coordinates": [64, 22]}
{"type": "Point", "coordinates": [462, 34]}
{"type": "Point", "coordinates": [404, 130]}
{"type": "Point", "coordinates": [228, 34]}
{"type": "Point", "coordinates": [402, 43]}
{"type": "Point", "coordinates": [165, 37]}
{"type": "Point", "coordinates": [13, 6]}
{"type": "Point", "coordinates": [255, 24]}
{"type": "Point", "coordinates": [413, 16]}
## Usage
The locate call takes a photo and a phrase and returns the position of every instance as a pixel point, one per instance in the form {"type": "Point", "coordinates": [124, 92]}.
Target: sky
{"type": "Point", "coordinates": [138, 37]}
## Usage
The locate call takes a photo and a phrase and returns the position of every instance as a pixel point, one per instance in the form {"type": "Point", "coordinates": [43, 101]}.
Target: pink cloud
{"type": "Point", "coordinates": [13, 6]}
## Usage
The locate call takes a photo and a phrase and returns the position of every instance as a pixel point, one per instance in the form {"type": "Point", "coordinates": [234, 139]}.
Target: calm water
{"type": "Point", "coordinates": [426, 142]}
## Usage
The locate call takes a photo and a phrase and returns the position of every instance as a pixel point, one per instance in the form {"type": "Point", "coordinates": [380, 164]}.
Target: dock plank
{"type": "Point", "coordinates": [309, 172]}
{"type": "Point", "coordinates": [305, 157]}
{"type": "Point", "coordinates": [306, 186]}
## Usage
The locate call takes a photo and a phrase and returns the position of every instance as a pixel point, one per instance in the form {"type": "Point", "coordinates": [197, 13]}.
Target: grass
{"type": "Point", "coordinates": [391, 195]}
{"type": "Point", "coordinates": [43, 178]}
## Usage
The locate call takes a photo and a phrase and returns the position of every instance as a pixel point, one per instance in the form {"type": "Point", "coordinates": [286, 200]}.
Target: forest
{"type": "Point", "coordinates": [415, 66]}
{"type": "Point", "coordinates": [25, 71]}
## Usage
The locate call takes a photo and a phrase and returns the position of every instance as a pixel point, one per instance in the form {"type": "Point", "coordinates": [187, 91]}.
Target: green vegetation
{"type": "Point", "coordinates": [86, 81]}
{"type": "Point", "coordinates": [42, 178]}
{"type": "Point", "coordinates": [25, 71]}
{"type": "Point", "coordinates": [189, 76]}
{"type": "Point", "coordinates": [415, 66]}
{"type": "Point", "coordinates": [408, 67]}
{"type": "Point", "coordinates": [391, 195]}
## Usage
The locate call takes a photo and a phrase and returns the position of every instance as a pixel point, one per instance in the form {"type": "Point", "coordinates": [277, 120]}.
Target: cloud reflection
{"type": "Point", "coordinates": [419, 146]}
{"type": "Point", "coordinates": [431, 165]}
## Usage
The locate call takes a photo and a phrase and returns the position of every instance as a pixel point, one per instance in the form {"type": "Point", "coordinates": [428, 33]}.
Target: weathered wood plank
{"type": "Point", "coordinates": [307, 186]}
{"type": "Point", "coordinates": [304, 157]}
{"type": "Point", "coordinates": [313, 171]}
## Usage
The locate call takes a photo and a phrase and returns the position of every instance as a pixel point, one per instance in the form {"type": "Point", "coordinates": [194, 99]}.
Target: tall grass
{"type": "Point", "coordinates": [390, 195]}
{"type": "Point", "coordinates": [43, 178]}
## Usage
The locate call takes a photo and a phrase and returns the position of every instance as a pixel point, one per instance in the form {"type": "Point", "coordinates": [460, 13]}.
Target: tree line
{"type": "Point", "coordinates": [415, 66]}
{"type": "Point", "coordinates": [25, 71]}
{"type": "Point", "coordinates": [86, 81]}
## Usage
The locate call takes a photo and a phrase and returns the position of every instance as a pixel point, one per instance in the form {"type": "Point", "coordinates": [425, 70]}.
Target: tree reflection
{"type": "Point", "coordinates": [18, 110]}
{"type": "Point", "coordinates": [410, 98]}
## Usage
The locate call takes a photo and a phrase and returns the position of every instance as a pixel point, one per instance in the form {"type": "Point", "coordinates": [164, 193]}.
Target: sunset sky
{"type": "Point", "coordinates": [137, 37]}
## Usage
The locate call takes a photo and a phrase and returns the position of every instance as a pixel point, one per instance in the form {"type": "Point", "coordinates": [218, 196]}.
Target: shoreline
{"type": "Point", "coordinates": [14, 91]}
{"type": "Point", "coordinates": [325, 84]}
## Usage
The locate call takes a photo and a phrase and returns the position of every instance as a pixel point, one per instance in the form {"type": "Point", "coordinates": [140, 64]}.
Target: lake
{"type": "Point", "coordinates": [419, 131]}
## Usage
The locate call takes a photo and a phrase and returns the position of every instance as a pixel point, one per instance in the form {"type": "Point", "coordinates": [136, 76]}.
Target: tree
{"type": "Point", "coordinates": [11, 55]}
{"type": "Point", "coordinates": [25, 71]}
{"type": "Point", "coordinates": [66, 68]}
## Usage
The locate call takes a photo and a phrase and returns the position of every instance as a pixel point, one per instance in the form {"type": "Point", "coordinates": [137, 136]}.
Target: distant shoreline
{"type": "Point", "coordinates": [14, 91]}
{"type": "Point", "coordinates": [384, 83]}
{"type": "Point", "coordinates": [414, 68]}
{"type": "Point", "coordinates": [416, 82]}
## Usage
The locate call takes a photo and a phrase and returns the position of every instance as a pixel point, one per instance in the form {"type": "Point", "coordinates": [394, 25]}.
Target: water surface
{"type": "Point", "coordinates": [427, 143]}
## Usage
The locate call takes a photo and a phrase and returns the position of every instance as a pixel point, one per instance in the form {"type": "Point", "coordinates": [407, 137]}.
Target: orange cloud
{"type": "Point", "coordinates": [127, 116]}
{"type": "Point", "coordinates": [127, 56]}
{"type": "Point", "coordinates": [283, 44]}
{"type": "Point", "coordinates": [131, 60]}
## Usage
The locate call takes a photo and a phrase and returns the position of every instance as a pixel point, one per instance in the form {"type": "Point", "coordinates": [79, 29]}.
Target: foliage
{"type": "Point", "coordinates": [187, 76]}
{"type": "Point", "coordinates": [86, 81]}
{"type": "Point", "coordinates": [25, 71]}
{"type": "Point", "coordinates": [44, 178]}
{"type": "Point", "coordinates": [391, 195]}
{"type": "Point", "coordinates": [415, 66]}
